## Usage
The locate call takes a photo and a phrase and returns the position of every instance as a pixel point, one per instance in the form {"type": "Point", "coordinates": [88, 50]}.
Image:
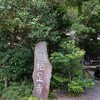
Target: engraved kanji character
{"type": "Point", "coordinates": [39, 78]}
{"type": "Point", "coordinates": [39, 89]}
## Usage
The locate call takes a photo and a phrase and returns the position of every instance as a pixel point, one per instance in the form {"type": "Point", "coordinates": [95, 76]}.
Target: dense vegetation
{"type": "Point", "coordinates": [24, 23]}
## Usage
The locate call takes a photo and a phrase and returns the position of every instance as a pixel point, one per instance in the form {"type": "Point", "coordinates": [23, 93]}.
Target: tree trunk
{"type": "Point", "coordinates": [5, 82]}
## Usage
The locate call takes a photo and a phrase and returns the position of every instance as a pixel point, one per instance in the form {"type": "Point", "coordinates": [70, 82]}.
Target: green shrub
{"type": "Point", "coordinates": [17, 63]}
{"type": "Point", "coordinates": [67, 64]}
{"type": "Point", "coordinates": [17, 91]}
{"type": "Point", "coordinates": [76, 87]}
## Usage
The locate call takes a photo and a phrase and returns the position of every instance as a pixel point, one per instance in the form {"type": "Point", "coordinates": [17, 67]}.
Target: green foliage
{"type": "Point", "coordinates": [32, 98]}
{"type": "Point", "coordinates": [1, 87]}
{"type": "Point", "coordinates": [17, 91]}
{"type": "Point", "coordinates": [52, 95]}
{"type": "Point", "coordinates": [32, 19]}
{"type": "Point", "coordinates": [87, 27]}
{"type": "Point", "coordinates": [67, 64]}
{"type": "Point", "coordinates": [77, 86]}
{"type": "Point", "coordinates": [16, 63]}
{"type": "Point", "coordinates": [23, 23]}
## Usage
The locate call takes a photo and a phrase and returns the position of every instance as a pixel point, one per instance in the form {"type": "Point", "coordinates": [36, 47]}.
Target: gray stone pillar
{"type": "Point", "coordinates": [42, 72]}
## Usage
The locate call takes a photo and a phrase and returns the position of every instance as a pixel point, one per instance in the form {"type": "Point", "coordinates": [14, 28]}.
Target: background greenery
{"type": "Point", "coordinates": [24, 23]}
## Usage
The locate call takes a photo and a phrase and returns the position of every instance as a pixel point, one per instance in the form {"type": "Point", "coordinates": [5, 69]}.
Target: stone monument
{"type": "Point", "coordinates": [42, 72]}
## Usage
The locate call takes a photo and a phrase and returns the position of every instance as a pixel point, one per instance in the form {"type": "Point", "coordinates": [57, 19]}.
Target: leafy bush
{"type": "Point", "coordinates": [77, 86]}
{"type": "Point", "coordinates": [17, 63]}
{"type": "Point", "coordinates": [17, 91]}
{"type": "Point", "coordinates": [67, 64]}
{"type": "Point", "coordinates": [74, 88]}
{"type": "Point", "coordinates": [68, 69]}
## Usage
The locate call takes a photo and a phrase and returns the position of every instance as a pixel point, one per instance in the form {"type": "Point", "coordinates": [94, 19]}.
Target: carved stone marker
{"type": "Point", "coordinates": [42, 72]}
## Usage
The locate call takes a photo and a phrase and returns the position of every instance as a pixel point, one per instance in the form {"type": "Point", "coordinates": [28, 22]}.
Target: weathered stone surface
{"type": "Point", "coordinates": [42, 72]}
